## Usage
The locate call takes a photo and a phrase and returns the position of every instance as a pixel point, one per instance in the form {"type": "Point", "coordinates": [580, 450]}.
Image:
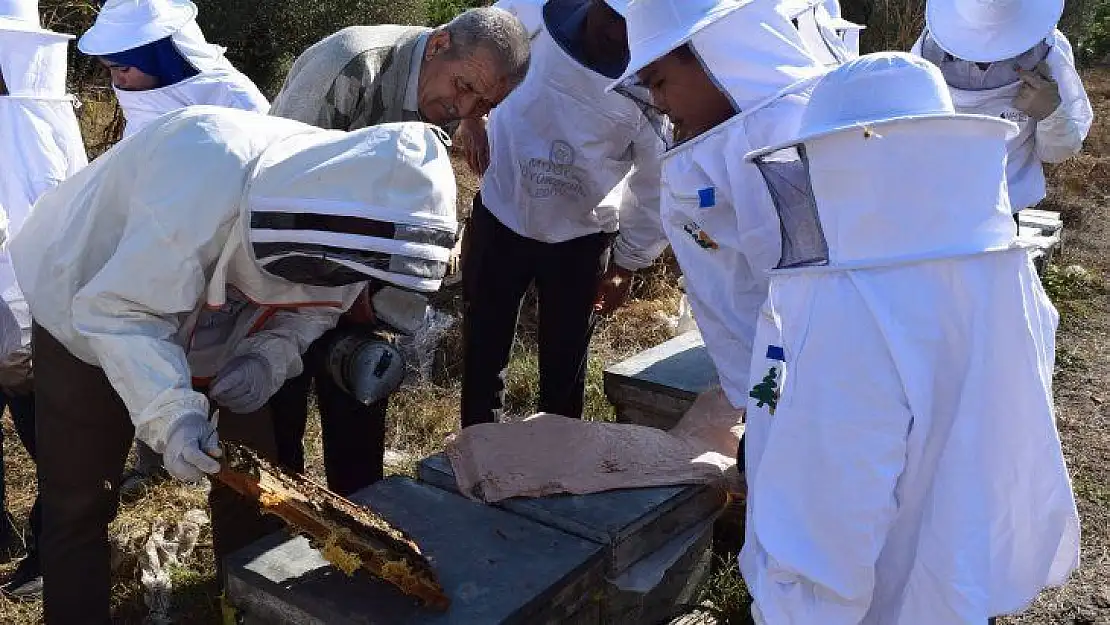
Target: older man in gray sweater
{"type": "Point", "coordinates": [366, 75]}
{"type": "Point", "coordinates": [358, 77]}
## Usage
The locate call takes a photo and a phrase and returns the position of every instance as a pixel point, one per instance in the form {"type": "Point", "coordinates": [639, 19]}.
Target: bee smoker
{"type": "Point", "coordinates": [368, 366]}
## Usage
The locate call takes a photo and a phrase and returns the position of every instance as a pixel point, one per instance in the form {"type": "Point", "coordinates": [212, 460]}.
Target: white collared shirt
{"type": "Point", "coordinates": [412, 89]}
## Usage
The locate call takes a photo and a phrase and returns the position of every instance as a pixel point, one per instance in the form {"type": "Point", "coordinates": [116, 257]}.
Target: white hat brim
{"type": "Point", "coordinates": [1007, 129]}
{"type": "Point", "coordinates": [111, 37]}
{"type": "Point", "coordinates": [20, 26]}
{"type": "Point", "coordinates": [661, 45]}
{"type": "Point", "coordinates": [981, 43]}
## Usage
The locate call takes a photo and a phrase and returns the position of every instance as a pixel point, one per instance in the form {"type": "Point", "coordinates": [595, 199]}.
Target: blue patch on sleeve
{"type": "Point", "coordinates": [774, 352]}
{"type": "Point", "coordinates": [707, 197]}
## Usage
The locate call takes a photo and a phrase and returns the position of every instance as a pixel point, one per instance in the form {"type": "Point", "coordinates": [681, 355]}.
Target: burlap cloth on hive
{"type": "Point", "coordinates": [548, 454]}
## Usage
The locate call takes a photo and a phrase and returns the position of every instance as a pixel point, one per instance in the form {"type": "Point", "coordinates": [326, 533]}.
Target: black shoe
{"type": "Point", "coordinates": [25, 584]}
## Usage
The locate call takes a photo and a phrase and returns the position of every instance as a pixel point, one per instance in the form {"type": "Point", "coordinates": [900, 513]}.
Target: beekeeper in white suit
{"type": "Point", "coordinates": [159, 61]}
{"type": "Point", "coordinates": [1008, 60]}
{"type": "Point", "coordinates": [727, 74]}
{"type": "Point", "coordinates": [903, 461]}
{"type": "Point", "coordinates": [40, 145]}
{"type": "Point", "coordinates": [208, 214]}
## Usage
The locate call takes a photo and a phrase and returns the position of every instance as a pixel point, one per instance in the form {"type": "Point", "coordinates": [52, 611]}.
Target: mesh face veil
{"type": "Point", "coordinates": [641, 97]}
{"type": "Point", "coordinates": [786, 173]}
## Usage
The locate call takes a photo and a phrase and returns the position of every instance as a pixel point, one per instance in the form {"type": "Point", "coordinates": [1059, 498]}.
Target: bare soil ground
{"type": "Point", "coordinates": [423, 414]}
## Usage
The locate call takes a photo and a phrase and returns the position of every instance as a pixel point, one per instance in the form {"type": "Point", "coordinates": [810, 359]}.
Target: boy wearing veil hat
{"type": "Point", "coordinates": [730, 74]}
{"type": "Point", "coordinates": [904, 465]}
{"type": "Point", "coordinates": [160, 61]}
{"type": "Point", "coordinates": [40, 145]}
{"type": "Point", "coordinates": [1008, 60]}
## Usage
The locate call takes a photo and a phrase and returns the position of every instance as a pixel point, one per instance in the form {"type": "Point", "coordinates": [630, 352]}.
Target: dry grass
{"type": "Point", "coordinates": [423, 414]}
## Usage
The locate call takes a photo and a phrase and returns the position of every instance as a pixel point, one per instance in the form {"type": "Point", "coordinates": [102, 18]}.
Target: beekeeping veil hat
{"type": "Point", "coordinates": [32, 59]}
{"type": "Point", "coordinates": [334, 208]}
{"type": "Point", "coordinates": [884, 170]}
{"type": "Point", "coordinates": [655, 27]}
{"type": "Point", "coordinates": [985, 31]}
{"type": "Point", "coordinates": [20, 15]}
{"type": "Point", "coordinates": [828, 36]}
{"type": "Point", "coordinates": [128, 24]}
{"type": "Point", "coordinates": [747, 47]}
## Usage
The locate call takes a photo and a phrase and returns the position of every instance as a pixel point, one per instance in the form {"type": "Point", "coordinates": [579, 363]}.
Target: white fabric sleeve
{"type": "Point", "coordinates": [640, 239]}
{"type": "Point", "coordinates": [285, 338]}
{"type": "Point", "coordinates": [1060, 135]}
{"type": "Point", "coordinates": [130, 313]}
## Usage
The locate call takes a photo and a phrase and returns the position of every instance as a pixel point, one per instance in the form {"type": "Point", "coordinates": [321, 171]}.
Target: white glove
{"type": "Point", "coordinates": [244, 384]}
{"type": "Point", "coordinates": [192, 447]}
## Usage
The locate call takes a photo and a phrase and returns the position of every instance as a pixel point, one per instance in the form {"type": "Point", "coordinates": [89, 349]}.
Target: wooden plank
{"type": "Point", "coordinates": [630, 523]}
{"type": "Point", "coordinates": [351, 536]}
{"type": "Point", "coordinates": [497, 569]}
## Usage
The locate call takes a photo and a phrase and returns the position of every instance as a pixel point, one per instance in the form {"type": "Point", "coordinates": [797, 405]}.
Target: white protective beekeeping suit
{"type": "Point", "coordinates": [127, 24]}
{"type": "Point", "coordinates": [210, 208]}
{"type": "Point", "coordinates": [714, 207]}
{"type": "Point", "coordinates": [962, 33]}
{"type": "Point", "coordinates": [828, 37]}
{"type": "Point", "coordinates": [903, 461]}
{"type": "Point", "coordinates": [40, 140]}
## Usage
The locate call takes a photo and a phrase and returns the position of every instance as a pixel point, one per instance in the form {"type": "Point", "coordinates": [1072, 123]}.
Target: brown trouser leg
{"type": "Point", "coordinates": [83, 433]}
{"type": "Point", "coordinates": [236, 521]}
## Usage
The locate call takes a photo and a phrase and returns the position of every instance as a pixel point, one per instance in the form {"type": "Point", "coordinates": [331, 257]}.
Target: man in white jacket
{"type": "Point", "coordinates": [224, 234]}
{"type": "Point", "coordinates": [159, 61]}
{"type": "Point", "coordinates": [903, 461]}
{"type": "Point", "coordinates": [40, 145]}
{"type": "Point", "coordinates": [730, 75]}
{"type": "Point", "coordinates": [1008, 60]}
{"type": "Point", "coordinates": [571, 205]}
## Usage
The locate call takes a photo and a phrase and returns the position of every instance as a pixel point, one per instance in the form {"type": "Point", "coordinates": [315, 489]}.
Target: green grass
{"type": "Point", "coordinates": [1073, 290]}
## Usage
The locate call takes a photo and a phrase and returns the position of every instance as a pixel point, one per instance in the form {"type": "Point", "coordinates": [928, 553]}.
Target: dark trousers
{"type": "Point", "coordinates": [22, 410]}
{"type": "Point", "coordinates": [83, 433]}
{"type": "Point", "coordinates": [353, 433]}
{"type": "Point", "coordinates": [498, 267]}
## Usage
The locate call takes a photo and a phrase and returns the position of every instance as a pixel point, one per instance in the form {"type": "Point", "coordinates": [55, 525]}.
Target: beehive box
{"type": "Point", "coordinates": [1046, 230]}
{"type": "Point", "coordinates": [498, 569]}
{"type": "Point", "coordinates": [634, 526]}
{"type": "Point", "coordinates": [657, 386]}
{"type": "Point", "coordinates": [689, 559]}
